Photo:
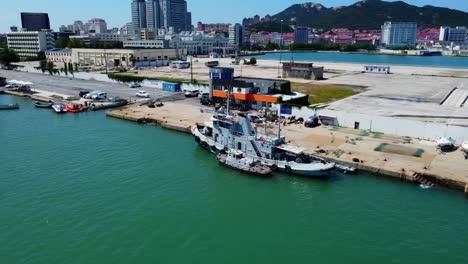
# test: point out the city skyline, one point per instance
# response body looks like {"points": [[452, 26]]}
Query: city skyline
{"points": [[202, 10]]}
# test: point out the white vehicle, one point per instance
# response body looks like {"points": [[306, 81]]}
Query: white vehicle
{"points": [[12, 85], [142, 94], [255, 118], [134, 85], [193, 93], [99, 96], [91, 94]]}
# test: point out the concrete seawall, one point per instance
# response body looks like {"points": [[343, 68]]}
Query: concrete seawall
{"points": [[416, 177], [180, 117], [145, 120]]}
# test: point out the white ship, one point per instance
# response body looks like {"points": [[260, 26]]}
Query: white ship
{"points": [[234, 132]]}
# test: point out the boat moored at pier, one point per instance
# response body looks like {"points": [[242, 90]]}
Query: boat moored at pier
{"points": [[59, 108], [43, 105], [237, 160], [74, 108], [226, 133]]}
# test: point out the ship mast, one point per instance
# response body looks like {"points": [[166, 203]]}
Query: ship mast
{"points": [[279, 123], [228, 104]]}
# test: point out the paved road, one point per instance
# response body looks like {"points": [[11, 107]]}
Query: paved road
{"points": [[72, 87]]}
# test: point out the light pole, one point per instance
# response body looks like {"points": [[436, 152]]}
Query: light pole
{"points": [[281, 47], [191, 69], [281, 41]]}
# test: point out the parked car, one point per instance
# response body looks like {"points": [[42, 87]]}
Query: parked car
{"points": [[142, 94], [12, 86], [205, 99], [83, 93], [90, 94], [99, 96], [312, 121], [193, 93], [134, 85], [255, 118]]}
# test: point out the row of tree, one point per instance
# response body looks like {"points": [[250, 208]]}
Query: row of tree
{"points": [[65, 42], [329, 47], [8, 56]]}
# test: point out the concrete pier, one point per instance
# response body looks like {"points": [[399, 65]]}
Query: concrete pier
{"points": [[432, 169], [341, 145]]}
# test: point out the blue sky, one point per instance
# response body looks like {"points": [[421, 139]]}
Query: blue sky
{"points": [[117, 12]]}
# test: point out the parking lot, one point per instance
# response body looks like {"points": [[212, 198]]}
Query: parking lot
{"points": [[72, 87]]}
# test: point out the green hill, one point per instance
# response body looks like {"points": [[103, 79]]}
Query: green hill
{"points": [[370, 14]]}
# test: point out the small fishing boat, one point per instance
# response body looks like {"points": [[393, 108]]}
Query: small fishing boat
{"points": [[237, 160], [445, 143], [59, 108], [43, 105], [464, 148], [9, 107], [74, 108]]}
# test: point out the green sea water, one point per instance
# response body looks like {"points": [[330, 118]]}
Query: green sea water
{"points": [[84, 188]]}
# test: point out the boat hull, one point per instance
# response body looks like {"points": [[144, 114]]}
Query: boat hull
{"points": [[59, 110], [74, 110], [9, 107], [282, 166], [43, 105], [266, 173]]}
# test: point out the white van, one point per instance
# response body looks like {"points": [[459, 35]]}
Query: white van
{"points": [[192, 93]]}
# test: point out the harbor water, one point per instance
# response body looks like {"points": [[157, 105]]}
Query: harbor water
{"points": [[85, 188], [371, 59]]}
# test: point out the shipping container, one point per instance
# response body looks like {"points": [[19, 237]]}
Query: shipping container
{"points": [[171, 87]]}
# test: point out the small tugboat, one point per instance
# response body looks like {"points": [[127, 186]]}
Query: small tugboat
{"points": [[74, 108], [237, 160], [9, 107], [43, 105], [59, 108]]}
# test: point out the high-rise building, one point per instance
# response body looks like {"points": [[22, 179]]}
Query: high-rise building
{"points": [[301, 35], [138, 17], [78, 27], [29, 43], [154, 14], [236, 35], [157, 14], [456, 35], [127, 29], [188, 22], [399, 34], [97, 25], [178, 15], [35, 21]]}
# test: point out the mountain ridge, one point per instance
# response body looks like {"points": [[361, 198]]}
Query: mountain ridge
{"points": [[369, 14]]}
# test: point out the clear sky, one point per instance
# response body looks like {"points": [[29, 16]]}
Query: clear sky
{"points": [[117, 12]]}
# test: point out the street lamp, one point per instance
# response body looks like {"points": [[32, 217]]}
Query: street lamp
{"points": [[281, 49], [281, 40]]}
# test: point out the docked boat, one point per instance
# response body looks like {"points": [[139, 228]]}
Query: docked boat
{"points": [[43, 105], [9, 107], [59, 108], [464, 148], [237, 160], [74, 108], [234, 132], [445, 143]]}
